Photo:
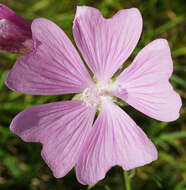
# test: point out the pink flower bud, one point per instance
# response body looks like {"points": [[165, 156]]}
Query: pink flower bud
{"points": [[15, 32]]}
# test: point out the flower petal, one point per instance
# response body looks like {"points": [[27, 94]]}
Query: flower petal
{"points": [[114, 140], [106, 43], [15, 32], [54, 68], [145, 83], [61, 127]]}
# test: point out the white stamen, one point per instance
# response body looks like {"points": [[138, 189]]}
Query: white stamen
{"points": [[96, 94]]}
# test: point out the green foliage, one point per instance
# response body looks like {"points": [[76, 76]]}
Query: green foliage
{"points": [[21, 167]]}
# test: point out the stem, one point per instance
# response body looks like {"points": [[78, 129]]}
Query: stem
{"points": [[90, 186], [127, 180]]}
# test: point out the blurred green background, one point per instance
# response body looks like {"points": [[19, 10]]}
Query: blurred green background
{"points": [[22, 168]]}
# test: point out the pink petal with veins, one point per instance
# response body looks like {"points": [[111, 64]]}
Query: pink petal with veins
{"points": [[61, 127], [106, 43], [145, 83], [53, 68], [115, 139]]}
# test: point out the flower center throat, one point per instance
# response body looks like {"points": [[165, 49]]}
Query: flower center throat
{"points": [[96, 94]]}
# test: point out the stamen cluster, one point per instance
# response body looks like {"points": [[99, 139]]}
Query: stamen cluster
{"points": [[96, 94]]}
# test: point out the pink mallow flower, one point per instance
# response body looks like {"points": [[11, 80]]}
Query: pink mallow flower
{"points": [[15, 32], [67, 130]]}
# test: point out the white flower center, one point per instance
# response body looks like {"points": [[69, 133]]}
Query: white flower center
{"points": [[96, 94]]}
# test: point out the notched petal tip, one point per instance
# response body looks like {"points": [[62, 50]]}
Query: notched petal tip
{"points": [[105, 43], [52, 165], [85, 12], [133, 13], [82, 10], [37, 21], [8, 81], [101, 176], [12, 80], [159, 43], [153, 156], [147, 82], [176, 105], [61, 127], [121, 143], [52, 48]]}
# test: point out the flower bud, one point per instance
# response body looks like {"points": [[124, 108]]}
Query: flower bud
{"points": [[15, 32]]}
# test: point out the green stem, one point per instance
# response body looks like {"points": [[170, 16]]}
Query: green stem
{"points": [[127, 180], [90, 186]]}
